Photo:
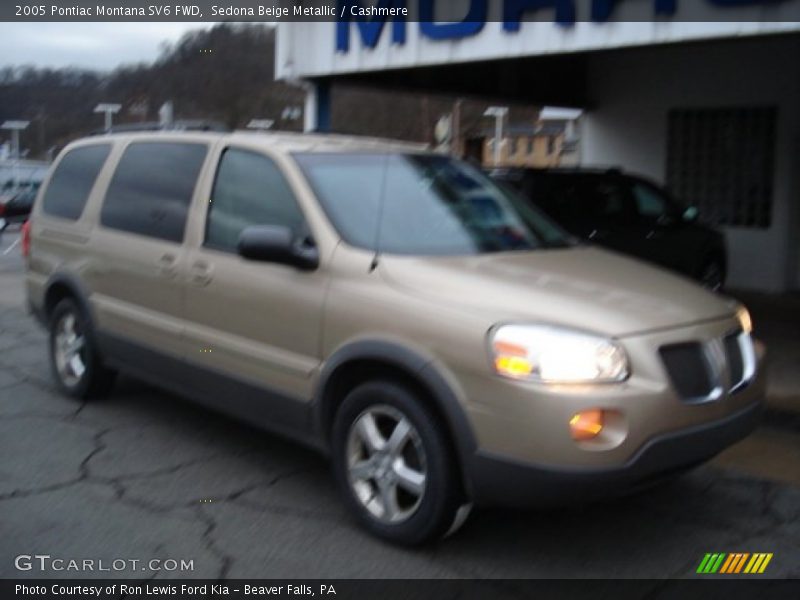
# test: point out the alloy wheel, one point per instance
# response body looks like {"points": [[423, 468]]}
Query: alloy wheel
{"points": [[69, 350], [386, 464]]}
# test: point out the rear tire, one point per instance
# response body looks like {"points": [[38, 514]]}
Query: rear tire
{"points": [[74, 357], [394, 464]]}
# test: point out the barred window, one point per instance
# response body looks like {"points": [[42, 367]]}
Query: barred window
{"points": [[722, 161]]}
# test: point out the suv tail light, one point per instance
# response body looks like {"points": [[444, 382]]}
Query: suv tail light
{"points": [[26, 239], [2, 209]]}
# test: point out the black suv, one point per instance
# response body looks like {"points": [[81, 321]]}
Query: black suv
{"points": [[626, 213]]}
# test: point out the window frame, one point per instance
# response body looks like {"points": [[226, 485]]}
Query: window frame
{"points": [[671, 207], [219, 156]]}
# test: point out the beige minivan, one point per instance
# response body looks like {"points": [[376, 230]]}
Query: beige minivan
{"points": [[442, 341]]}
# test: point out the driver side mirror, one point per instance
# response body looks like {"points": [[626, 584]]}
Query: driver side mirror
{"points": [[277, 244]]}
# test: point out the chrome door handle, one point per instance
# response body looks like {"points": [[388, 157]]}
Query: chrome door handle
{"points": [[166, 265], [202, 273]]}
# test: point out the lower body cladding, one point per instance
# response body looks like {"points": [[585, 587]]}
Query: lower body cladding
{"points": [[516, 441], [644, 429], [498, 481]]}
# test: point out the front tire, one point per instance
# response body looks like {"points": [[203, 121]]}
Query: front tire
{"points": [[394, 464], [74, 358]]}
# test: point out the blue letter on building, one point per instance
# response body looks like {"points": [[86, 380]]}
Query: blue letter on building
{"points": [[370, 29], [601, 9], [472, 23], [732, 3], [513, 9]]}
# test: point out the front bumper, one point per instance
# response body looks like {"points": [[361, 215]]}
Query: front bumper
{"points": [[498, 481]]}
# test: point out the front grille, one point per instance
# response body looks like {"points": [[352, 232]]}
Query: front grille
{"points": [[688, 370], [701, 371], [733, 354]]}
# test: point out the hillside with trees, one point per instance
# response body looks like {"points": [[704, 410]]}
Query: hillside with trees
{"points": [[224, 74]]}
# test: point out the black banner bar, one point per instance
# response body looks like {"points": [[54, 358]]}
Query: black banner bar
{"points": [[711, 588], [562, 12]]}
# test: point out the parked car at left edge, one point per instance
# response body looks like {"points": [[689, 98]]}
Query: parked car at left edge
{"points": [[17, 208]]}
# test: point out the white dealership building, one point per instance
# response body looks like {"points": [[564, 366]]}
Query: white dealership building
{"points": [[701, 94]]}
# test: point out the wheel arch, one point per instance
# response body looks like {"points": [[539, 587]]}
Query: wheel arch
{"points": [[65, 285], [369, 359]]}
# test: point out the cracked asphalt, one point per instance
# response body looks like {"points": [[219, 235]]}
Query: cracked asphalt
{"points": [[144, 474]]}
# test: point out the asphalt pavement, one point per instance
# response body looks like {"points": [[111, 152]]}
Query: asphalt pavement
{"points": [[144, 475]]}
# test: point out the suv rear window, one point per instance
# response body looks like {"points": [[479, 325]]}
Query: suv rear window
{"points": [[73, 180], [152, 188]]}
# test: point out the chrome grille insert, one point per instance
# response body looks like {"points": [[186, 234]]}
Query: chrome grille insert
{"points": [[703, 371]]}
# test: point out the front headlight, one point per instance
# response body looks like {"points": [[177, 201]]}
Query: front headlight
{"points": [[555, 355]]}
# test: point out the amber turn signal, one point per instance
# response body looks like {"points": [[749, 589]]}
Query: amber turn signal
{"points": [[586, 425]]}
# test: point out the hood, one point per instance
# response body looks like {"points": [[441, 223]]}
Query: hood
{"points": [[582, 287]]}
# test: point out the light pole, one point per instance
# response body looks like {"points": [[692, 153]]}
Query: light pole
{"points": [[108, 110], [15, 127], [499, 113]]}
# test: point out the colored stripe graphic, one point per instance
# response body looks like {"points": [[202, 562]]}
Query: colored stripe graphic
{"points": [[704, 563], [764, 564], [711, 563], [754, 563], [728, 562], [734, 563], [715, 566], [737, 567]]}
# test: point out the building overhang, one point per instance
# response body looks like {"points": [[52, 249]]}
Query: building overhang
{"points": [[552, 80]]}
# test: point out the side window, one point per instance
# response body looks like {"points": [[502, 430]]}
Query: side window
{"points": [[562, 199], [607, 200], [249, 190], [73, 180], [650, 203], [152, 188]]}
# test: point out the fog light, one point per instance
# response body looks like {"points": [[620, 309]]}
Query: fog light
{"points": [[586, 425]]}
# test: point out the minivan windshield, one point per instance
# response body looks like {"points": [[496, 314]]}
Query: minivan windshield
{"points": [[423, 204]]}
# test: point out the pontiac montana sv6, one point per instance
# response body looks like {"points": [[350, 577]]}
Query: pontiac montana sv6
{"points": [[441, 340]]}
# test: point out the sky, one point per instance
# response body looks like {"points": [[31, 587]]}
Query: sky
{"points": [[101, 46]]}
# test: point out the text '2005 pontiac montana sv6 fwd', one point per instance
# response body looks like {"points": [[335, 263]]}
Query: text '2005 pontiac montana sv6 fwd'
{"points": [[443, 342]]}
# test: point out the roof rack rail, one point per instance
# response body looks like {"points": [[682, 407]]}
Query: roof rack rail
{"points": [[189, 125]]}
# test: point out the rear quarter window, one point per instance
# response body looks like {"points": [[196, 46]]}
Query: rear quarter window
{"points": [[72, 181], [152, 188]]}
